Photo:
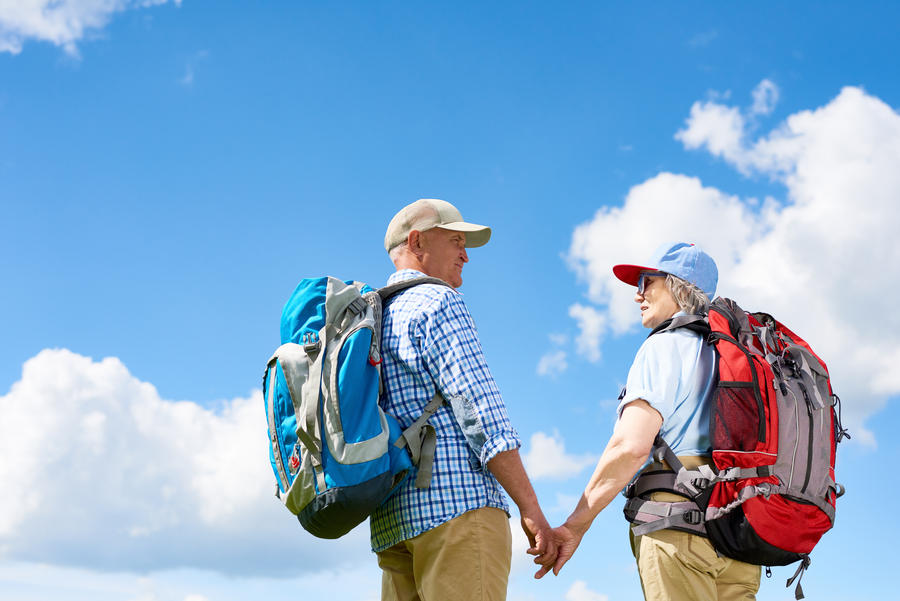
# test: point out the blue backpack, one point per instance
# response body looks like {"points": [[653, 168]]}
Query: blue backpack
{"points": [[336, 455]]}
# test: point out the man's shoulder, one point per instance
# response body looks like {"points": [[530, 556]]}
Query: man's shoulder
{"points": [[426, 295]]}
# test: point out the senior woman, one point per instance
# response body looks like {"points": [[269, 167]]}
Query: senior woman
{"points": [[667, 392]]}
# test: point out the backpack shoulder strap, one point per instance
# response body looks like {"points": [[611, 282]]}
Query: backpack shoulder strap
{"points": [[695, 323], [420, 437], [397, 287]]}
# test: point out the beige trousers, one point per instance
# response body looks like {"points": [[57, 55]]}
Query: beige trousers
{"points": [[677, 566], [465, 559]]}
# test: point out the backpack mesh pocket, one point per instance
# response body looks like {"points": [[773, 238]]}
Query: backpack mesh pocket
{"points": [[736, 417]]}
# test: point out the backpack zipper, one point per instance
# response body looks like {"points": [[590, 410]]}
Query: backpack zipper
{"points": [[276, 447], [809, 451]]}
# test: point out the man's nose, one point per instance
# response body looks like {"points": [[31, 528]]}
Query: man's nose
{"points": [[464, 254]]}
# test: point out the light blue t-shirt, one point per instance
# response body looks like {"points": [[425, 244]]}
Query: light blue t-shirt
{"points": [[674, 372]]}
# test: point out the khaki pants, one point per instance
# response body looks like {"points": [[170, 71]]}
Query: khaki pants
{"points": [[465, 559], [677, 566]]}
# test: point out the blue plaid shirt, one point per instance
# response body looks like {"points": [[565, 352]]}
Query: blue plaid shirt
{"points": [[428, 340]]}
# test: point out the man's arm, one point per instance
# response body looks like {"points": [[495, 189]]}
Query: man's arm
{"points": [[456, 361], [510, 473], [624, 455]]}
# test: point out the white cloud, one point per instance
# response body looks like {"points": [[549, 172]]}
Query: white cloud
{"points": [[565, 504], [187, 79], [701, 40], [559, 339], [722, 129], [665, 207], [592, 324], [152, 484], [38, 582], [547, 458], [60, 22], [718, 127], [580, 592], [811, 260], [765, 97], [552, 363]]}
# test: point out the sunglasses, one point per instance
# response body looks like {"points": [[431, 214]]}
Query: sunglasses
{"points": [[643, 279]]}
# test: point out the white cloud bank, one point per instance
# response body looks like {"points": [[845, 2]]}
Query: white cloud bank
{"points": [[60, 22], [822, 261], [579, 591], [547, 459], [99, 472]]}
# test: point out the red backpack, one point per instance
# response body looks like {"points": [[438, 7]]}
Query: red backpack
{"points": [[774, 426]]}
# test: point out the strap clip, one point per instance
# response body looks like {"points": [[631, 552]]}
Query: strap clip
{"points": [[311, 342], [693, 517]]}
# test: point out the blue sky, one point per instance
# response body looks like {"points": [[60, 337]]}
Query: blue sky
{"points": [[169, 171]]}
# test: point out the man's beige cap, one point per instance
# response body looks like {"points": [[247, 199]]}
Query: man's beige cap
{"points": [[427, 213]]}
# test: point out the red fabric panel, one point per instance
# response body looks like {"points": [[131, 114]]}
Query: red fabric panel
{"points": [[789, 525]]}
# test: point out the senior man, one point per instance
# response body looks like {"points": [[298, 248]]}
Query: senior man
{"points": [[450, 541]]}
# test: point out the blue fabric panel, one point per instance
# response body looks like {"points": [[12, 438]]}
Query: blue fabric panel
{"points": [[338, 474], [358, 389], [304, 310], [395, 460]]}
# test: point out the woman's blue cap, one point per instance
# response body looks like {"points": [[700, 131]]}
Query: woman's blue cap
{"points": [[683, 260]]}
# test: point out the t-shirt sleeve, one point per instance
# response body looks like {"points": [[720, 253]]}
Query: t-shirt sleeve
{"points": [[654, 375]]}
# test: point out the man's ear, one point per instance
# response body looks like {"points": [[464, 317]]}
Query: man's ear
{"points": [[415, 242]]}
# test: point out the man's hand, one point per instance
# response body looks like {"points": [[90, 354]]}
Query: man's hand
{"points": [[566, 541], [540, 538], [508, 469]]}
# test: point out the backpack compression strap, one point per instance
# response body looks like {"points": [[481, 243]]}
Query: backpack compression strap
{"points": [[421, 439]]}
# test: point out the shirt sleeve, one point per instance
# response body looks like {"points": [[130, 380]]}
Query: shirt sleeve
{"points": [[454, 358], [654, 375]]}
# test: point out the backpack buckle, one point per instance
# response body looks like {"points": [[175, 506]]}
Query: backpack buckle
{"points": [[311, 342], [700, 483], [693, 517]]}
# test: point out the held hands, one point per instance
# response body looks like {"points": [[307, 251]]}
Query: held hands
{"points": [[566, 541], [540, 538]]}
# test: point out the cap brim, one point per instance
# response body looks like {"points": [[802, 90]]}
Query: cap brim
{"points": [[630, 273], [476, 235]]}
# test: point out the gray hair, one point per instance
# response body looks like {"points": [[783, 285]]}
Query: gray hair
{"points": [[690, 299], [394, 253]]}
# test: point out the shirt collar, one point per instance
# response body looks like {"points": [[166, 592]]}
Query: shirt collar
{"points": [[407, 274], [404, 274]]}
